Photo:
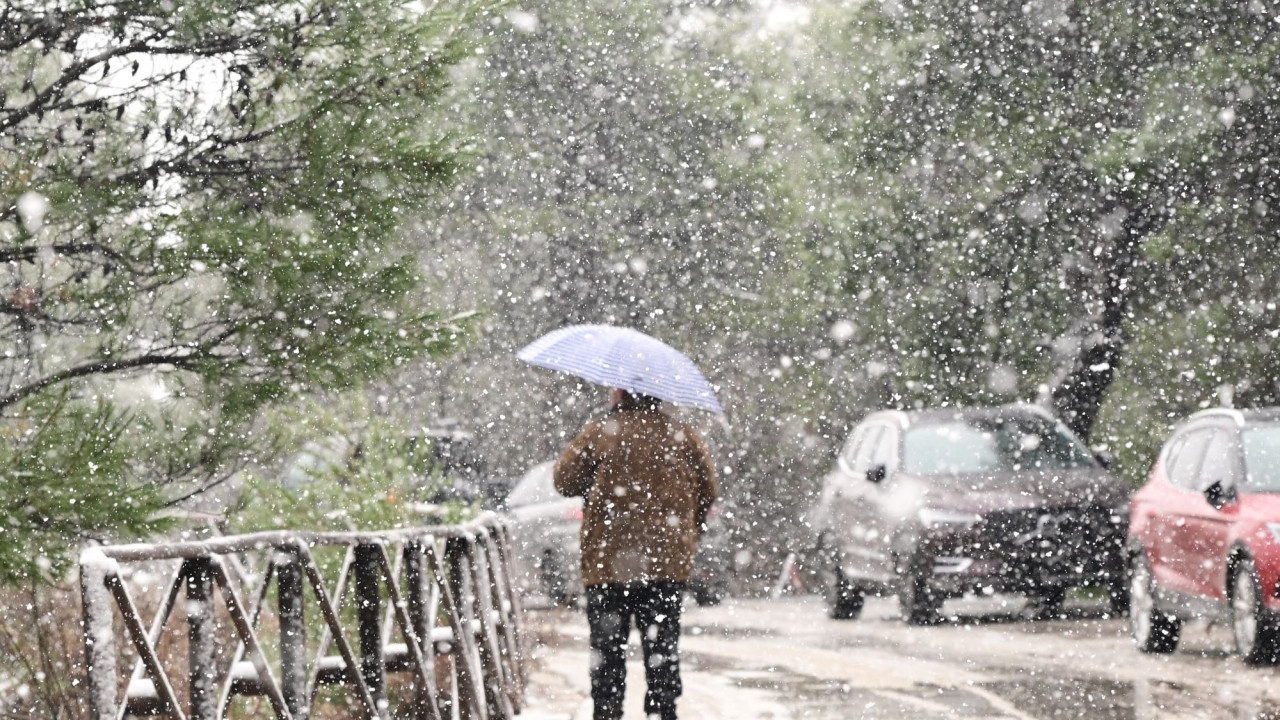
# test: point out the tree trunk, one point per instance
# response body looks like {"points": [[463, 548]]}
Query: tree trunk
{"points": [[1091, 349]]}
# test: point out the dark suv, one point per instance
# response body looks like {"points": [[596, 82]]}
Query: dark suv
{"points": [[933, 504]]}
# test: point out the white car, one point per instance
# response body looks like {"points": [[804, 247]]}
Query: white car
{"points": [[545, 527]]}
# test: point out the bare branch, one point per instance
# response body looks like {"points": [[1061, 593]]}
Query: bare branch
{"points": [[177, 358], [29, 253], [98, 368], [203, 488], [70, 75]]}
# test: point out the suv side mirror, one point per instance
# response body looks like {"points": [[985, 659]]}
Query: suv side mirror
{"points": [[1218, 495], [1104, 458], [876, 473], [844, 465]]}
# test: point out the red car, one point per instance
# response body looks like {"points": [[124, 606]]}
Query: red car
{"points": [[1204, 534]]}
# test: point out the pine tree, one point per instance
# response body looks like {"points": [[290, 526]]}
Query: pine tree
{"points": [[199, 213]]}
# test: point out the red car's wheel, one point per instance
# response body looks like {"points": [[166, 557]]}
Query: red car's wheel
{"points": [[1257, 633], [1154, 631]]}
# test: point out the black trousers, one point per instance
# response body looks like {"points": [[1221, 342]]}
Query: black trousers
{"points": [[654, 607]]}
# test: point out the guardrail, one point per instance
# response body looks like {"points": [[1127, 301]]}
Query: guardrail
{"points": [[448, 592]]}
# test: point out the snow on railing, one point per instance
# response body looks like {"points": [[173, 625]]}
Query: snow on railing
{"points": [[449, 596]]}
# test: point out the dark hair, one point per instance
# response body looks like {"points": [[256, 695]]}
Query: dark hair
{"points": [[639, 401]]}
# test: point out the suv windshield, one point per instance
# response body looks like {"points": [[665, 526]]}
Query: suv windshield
{"points": [[1262, 458], [996, 445]]}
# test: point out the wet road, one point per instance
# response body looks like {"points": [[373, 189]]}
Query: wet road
{"points": [[785, 659]]}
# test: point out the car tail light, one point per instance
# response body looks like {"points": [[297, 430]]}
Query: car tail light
{"points": [[574, 514]]}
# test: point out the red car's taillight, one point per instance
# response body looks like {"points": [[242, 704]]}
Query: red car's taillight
{"points": [[574, 514]]}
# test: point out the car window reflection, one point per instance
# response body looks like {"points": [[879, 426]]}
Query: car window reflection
{"points": [[1001, 446]]}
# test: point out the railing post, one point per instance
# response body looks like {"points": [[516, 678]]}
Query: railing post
{"points": [[201, 632], [416, 599], [369, 616], [516, 611], [495, 678], [99, 633], [293, 648], [503, 623], [473, 703]]}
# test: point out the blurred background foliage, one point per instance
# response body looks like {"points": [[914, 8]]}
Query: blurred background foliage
{"points": [[838, 207], [347, 468]]}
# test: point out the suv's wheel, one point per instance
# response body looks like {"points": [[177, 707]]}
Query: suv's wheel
{"points": [[705, 595], [844, 601], [1154, 631], [554, 585], [1256, 631], [919, 603], [1047, 602], [1119, 590]]}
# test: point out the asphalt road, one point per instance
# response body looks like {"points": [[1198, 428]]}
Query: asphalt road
{"points": [[785, 659]]}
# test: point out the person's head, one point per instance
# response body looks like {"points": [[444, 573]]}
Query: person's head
{"points": [[627, 400]]}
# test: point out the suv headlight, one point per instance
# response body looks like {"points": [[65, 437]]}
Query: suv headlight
{"points": [[937, 517], [1274, 527]]}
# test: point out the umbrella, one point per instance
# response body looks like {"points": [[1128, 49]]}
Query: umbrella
{"points": [[624, 358]]}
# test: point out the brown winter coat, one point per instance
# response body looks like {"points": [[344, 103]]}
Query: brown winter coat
{"points": [[648, 481]]}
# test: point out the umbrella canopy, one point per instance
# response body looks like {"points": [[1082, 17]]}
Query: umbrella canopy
{"points": [[624, 358]]}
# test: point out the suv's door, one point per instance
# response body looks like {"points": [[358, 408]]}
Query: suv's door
{"points": [[878, 515], [849, 510], [832, 514], [827, 515], [862, 511]]}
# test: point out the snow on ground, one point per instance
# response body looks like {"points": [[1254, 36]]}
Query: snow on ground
{"points": [[754, 659]]}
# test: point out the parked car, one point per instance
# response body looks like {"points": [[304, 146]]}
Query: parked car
{"points": [[545, 525], [933, 504], [1205, 533]]}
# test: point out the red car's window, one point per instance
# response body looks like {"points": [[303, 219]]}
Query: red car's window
{"points": [[1184, 461], [1219, 464], [1262, 458]]}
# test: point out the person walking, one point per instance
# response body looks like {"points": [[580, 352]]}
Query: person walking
{"points": [[648, 483]]}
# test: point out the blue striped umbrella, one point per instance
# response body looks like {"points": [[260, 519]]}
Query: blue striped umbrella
{"points": [[624, 358]]}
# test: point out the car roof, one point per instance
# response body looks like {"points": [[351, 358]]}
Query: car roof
{"points": [[933, 416], [542, 468], [1241, 417]]}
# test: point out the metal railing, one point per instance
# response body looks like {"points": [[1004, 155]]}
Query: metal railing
{"points": [[448, 592]]}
